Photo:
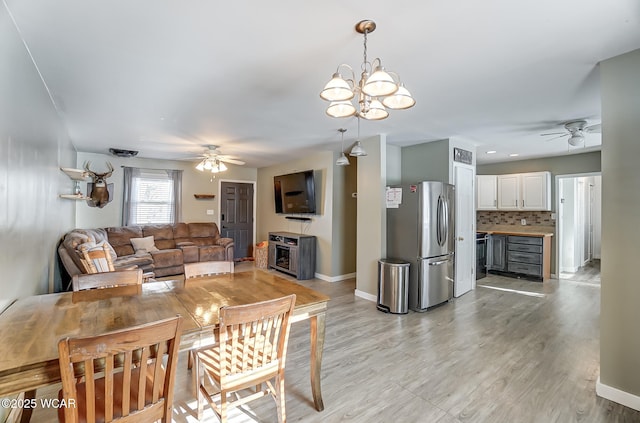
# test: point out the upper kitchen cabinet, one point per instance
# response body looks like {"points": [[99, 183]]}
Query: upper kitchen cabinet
{"points": [[536, 191], [509, 192], [487, 192], [520, 191]]}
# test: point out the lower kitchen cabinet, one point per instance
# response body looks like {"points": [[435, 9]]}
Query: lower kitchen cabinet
{"points": [[528, 256]]}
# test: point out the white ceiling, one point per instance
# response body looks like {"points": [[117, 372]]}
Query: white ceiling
{"points": [[168, 77]]}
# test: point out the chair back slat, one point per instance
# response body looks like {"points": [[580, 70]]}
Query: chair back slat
{"points": [[206, 268], [106, 280], [126, 382], [123, 372]]}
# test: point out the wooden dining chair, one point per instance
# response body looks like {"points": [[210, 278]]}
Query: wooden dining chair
{"points": [[251, 350], [97, 260], [107, 279], [126, 375], [206, 268]]}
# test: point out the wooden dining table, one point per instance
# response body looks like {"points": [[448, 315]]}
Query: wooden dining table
{"points": [[31, 327]]}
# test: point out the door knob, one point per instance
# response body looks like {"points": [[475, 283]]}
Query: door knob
{"points": [[460, 238]]}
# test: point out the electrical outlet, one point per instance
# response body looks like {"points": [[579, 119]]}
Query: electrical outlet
{"points": [[523, 222], [209, 212], [553, 216]]}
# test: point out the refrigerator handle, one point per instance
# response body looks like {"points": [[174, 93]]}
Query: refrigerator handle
{"points": [[442, 221], [439, 221]]}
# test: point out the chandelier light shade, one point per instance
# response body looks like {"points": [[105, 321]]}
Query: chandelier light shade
{"points": [[377, 89]]}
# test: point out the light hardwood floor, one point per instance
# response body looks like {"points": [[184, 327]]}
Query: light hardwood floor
{"points": [[508, 351]]}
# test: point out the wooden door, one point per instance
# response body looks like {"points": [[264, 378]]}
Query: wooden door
{"points": [[236, 216]]}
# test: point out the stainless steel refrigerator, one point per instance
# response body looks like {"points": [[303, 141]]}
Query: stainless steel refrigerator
{"points": [[421, 231]]}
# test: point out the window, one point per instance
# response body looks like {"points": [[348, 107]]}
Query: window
{"points": [[151, 196]]}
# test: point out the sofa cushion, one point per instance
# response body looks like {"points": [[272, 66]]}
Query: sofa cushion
{"points": [[163, 235], [119, 238], [167, 258], [143, 245], [143, 261], [212, 253], [181, 233], [203, 230]]}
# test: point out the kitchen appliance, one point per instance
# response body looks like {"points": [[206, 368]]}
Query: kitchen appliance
{"points": [[481, 255], [421, 231]]}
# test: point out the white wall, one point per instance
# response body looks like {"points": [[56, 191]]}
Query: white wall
{"points": [[193, 182], [34, 144]]}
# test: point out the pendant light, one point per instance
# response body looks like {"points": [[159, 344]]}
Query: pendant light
{"points": [[342, 160], [357, 149]]}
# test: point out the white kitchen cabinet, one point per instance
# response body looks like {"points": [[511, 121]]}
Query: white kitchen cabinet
{"points": [[509, 192], [486, 192], [518, 191], [536, 191]]}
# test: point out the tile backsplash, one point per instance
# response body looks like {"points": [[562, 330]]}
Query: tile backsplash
{"points": [[534, 218]]}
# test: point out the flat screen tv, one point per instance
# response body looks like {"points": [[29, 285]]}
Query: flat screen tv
{"points": [[295, 193]]}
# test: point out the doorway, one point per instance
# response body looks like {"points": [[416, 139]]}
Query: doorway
{"points": [[237, 216], [579, 227]]}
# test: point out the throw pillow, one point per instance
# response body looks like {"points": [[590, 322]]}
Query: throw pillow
{"points": [[144, 245]]}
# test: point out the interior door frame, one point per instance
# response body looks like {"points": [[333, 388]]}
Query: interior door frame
{"points": [[559, 225], [238, 181]]}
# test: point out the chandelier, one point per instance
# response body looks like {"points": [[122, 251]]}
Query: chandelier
{"points": [[211, 164], [376, 91]]}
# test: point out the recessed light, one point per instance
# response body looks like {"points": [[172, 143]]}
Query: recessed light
{"points": [[513, 155], [491, 152]]}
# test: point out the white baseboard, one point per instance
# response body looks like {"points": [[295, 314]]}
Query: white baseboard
{"points": [[335, 278], [366, 296], [617, 395]]}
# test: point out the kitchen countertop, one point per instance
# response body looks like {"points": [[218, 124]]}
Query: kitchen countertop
{"points": [[525, 230]]}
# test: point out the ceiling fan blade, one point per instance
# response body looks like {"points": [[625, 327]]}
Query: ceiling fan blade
{"points": [[232, 161], [555, 133], [555, 138], [594, 129]]}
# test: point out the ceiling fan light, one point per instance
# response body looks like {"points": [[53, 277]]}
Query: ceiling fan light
{"points": [[357, 150], [207, 164], [221, 166], [337, 89], [342, 160], [374, 111], [200, 166], [338, 109], [399, 100], [576, 140], [379, 84]]}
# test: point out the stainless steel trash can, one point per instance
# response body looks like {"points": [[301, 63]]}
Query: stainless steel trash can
{"points": [[393, 286]]}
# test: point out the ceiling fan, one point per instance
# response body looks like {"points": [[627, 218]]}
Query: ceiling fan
{"points": [[213, 160], [576, 130]]}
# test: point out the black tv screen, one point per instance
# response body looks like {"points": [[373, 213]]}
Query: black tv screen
{"points": [[295, 193]]}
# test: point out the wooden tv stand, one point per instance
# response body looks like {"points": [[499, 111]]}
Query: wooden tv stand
{"points": [[293, 253]]}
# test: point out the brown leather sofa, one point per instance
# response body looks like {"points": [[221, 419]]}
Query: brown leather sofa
{"points": [[176, 245]]}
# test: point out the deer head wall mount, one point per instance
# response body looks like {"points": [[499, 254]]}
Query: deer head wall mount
{"points": [[99, 189]]}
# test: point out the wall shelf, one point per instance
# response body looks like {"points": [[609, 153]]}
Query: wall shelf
{"points": [[76, 174], [74, 197], [204, 196]]}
